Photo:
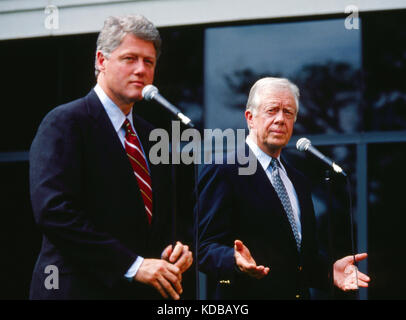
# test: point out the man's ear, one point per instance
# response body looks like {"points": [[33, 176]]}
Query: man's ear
{"points": [[248, 116], [101, 61]]}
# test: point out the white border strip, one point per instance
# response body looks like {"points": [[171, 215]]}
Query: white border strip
{"points": [[26, 18]]}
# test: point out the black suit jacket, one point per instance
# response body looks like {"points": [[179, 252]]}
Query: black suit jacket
{"points": [[87, 203], [246, 207]]}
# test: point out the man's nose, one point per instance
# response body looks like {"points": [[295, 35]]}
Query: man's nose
{"points": [[139, 67], [280, 116]]}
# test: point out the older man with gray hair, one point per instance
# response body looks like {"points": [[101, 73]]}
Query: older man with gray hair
{"points": [[258, 232], [103, 208]]}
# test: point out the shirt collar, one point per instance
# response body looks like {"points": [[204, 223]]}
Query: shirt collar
{"points": [[263, 158], [117, 117]]}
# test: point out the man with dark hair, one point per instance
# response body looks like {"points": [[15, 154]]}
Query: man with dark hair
{"points": [[103, 208]]}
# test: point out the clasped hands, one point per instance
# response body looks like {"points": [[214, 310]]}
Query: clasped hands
{"points": [[346, 275], [165, 274]]}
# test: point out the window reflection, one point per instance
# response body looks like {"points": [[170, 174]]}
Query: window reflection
{"points": [[321, 57]]}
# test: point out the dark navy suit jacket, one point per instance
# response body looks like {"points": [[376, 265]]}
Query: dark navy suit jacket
{"points": [[87, 204], [246, 207]]}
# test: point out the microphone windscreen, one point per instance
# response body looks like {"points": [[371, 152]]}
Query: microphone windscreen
{"points": [[303, 144], [149, 91]]}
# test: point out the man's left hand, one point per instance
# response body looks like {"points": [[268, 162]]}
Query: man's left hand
{"points": [[181, 256], [346, 275]]}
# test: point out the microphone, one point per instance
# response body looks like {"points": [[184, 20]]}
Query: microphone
{"points": [[304, 144], [151, 92]]}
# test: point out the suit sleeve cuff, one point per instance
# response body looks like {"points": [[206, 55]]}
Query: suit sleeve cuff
{"points": [[134, 268]]}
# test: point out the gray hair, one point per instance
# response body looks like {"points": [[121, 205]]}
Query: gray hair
{"points": [[254, 98], [116, 28]]}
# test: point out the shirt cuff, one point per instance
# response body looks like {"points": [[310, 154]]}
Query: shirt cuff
{"points": [[134, 268]]}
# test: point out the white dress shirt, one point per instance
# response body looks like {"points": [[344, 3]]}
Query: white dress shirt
{"points": [[265, 161], [117, 118]]}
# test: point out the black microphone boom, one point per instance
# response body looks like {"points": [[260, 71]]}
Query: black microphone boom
{"points": [[151, 92], [304, 144]]}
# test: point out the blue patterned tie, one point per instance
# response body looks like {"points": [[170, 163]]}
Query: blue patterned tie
{"points": [[284, 197]]}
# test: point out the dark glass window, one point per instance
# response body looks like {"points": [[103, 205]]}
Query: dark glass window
{"points": [[322, 57], [19, 236], [386, 220], [41, 74], [384, 63]]}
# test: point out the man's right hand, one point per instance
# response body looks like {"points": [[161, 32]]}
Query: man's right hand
{"points": [[162, 275], [246, 263]]}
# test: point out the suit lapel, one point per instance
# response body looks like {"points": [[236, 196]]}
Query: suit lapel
{"points": [[263, 190], [114, 154]]}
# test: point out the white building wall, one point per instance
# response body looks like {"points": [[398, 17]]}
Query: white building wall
{"points": [[28, 18]]}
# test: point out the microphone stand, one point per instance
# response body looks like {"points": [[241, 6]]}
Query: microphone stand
{"points": [[196, 231], [151, 93], [174, 202], [303, 144], [196, 215], [328, 181]]}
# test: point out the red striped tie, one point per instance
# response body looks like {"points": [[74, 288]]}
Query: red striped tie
{"points": [[139, 164]]}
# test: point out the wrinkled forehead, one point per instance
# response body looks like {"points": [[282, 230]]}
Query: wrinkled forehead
{"points": [[280, 96]]}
